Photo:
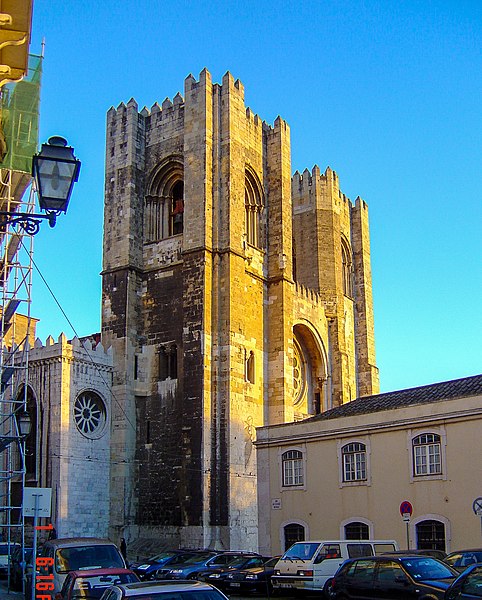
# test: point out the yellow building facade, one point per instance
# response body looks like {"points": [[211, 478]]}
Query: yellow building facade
{"points": [[344, 474]]}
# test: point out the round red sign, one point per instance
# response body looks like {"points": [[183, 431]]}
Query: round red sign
{"points": [[406, 508]]}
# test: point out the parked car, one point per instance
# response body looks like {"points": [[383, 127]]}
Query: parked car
{"points": [[438, 554], [147, 569], [16, 572], [199, 559], [73, 554], [91, 584], [467, 586], [6, 550], [463, 558], [403, 577], [308, 566], [216, 575], [155, 590], [254, 579], [203, 561]]}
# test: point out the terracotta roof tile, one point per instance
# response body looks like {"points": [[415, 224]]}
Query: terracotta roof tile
{"points": [[436, 392]]}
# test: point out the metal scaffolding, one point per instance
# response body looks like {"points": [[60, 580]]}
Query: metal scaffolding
{"points": [[15, 337], [18, 143]]}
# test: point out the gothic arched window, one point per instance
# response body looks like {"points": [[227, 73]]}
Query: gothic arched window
{"points": [[164, 203], [26, 394], [177, 208], [347, 268], [253, 203], [168, 362]]}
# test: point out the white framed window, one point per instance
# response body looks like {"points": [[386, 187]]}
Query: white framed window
{"points": [[292, 466], [354, 457], [427, 454], [354, 461]]}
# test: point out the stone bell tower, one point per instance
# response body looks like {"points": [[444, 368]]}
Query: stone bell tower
{"points": [[211, 334]]}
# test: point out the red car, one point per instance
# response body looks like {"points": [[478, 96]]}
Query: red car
{"points": [[91, 584]]}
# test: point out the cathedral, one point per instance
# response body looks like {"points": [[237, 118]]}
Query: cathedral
{"points": [[234, 295]]}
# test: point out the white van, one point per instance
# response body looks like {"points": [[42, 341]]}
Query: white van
{"points": [[310, 565]]}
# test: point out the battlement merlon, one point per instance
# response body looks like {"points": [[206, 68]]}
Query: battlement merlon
{"points": [[229, 86], [85, 349], [316, 188]]}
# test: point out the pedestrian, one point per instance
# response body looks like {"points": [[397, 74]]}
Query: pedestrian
{"points": [[123, 548]]}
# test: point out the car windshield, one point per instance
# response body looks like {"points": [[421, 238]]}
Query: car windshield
{"points": [[473, 583], [88, 557], [162, 556], [237, 561], [94, 587], [300, 551], [186, 595], [196, 558], [464, 559], [425, 568], [271, 562], [182, 558]]}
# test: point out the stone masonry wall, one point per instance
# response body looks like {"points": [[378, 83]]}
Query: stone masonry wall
{"points": [[70, 462]]}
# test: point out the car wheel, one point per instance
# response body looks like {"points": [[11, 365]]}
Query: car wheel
{"points": [[326, 588]]}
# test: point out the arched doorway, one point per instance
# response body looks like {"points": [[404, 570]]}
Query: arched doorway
{"points": [[309, 373], [292, 533], [430, 535], [355, 530]]}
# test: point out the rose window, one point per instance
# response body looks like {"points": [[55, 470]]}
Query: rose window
{"points": [[298, 375], [89, 414]]}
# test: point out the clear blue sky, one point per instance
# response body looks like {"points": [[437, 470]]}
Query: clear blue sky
{"points": [[387, 93]]}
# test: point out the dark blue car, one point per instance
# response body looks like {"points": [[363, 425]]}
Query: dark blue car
{"points": [[468, 586], [147, 569], [202, 562]]}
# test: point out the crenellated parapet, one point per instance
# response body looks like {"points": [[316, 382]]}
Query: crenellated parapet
{"points": [[85, 349], [308, 293]]}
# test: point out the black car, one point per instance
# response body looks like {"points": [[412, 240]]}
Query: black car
{"points": [[467, 586], [464, 558], [398, 577], [217, 576], [439, 554], [255, 579]]}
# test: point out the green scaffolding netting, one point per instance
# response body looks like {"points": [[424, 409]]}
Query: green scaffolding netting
{"points": [[20, 118]]}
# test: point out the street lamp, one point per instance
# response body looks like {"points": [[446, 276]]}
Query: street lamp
{"points": [[55, 170], [23, 423]]}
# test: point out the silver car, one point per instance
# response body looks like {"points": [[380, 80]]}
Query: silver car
{"points": [[172, 590]]}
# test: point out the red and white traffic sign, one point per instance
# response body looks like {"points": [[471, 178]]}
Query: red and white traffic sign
{"points": [[406, 508]]}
